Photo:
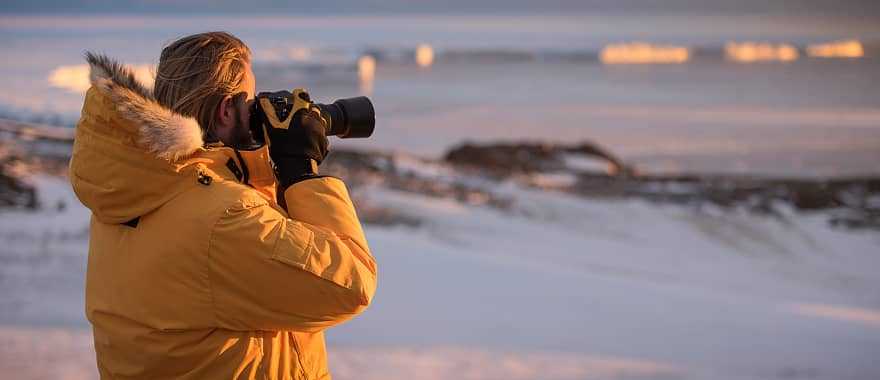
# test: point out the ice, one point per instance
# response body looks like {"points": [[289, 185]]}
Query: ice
{"points": [[554, 287], [589, 164]]}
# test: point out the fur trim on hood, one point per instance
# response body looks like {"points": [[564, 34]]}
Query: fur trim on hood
{"points": [[161, 131]]}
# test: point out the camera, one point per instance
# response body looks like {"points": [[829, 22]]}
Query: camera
{"points": [[344, 118]]}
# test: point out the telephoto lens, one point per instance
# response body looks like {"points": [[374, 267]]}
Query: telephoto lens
{"points": [[350, 118]]}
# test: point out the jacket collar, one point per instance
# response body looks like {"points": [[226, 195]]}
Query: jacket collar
{"points": [[250, 167]]}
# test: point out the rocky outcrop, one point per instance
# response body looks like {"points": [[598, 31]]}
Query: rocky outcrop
{"points": [[507, 159], [470, 174]]}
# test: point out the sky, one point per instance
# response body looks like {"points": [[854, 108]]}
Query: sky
{"points": [[847, 7]]}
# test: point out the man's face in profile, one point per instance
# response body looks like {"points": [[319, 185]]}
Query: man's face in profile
{"points": [[237, 133]]}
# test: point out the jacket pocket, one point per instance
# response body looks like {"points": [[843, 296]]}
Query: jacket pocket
{"points": [[313, 252]]}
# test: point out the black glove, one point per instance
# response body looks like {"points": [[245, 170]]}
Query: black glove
{"points": [[298, 150]]}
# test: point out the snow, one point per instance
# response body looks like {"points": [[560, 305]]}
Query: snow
{"points": [[873, 202], [408, 164], [556, 287], [587, 164], [552, 180], [44, 258]]}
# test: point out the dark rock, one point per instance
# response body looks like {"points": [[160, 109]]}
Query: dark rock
{"points": [[508, 159], [812, 197], [14, 192]]}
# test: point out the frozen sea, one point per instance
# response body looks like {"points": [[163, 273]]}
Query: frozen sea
{"points": [[520, 77]]}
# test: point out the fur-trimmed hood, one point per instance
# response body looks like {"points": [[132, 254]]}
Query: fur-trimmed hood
{"points": [[161, 131], [130, 154]]}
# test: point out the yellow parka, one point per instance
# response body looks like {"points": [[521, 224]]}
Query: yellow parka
{"points": [[194, 271]]}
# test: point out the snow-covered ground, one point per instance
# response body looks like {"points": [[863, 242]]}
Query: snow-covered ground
{"points": [[556, 287]]}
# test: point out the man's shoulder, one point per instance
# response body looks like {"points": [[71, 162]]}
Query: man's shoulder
{"points": [[235, 194], [217, 196]]}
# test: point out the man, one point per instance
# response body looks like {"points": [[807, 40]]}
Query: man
{"points": [[195, 271]]}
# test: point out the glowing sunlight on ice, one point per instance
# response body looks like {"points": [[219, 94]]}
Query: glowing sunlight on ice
{"points": [[837, 49], [746, 52], [424, 55], [366, 73], [640, 52], [75, 78]]}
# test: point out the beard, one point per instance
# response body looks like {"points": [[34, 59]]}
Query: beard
{"points": [[242, 137]]}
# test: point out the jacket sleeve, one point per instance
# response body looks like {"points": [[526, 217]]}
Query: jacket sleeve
{"points": [[305, 271]]}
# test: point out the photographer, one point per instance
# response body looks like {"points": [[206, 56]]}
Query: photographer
{"points": [[195, 271]]}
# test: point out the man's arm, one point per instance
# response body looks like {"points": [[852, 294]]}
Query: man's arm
{"points": [[307, 272]]}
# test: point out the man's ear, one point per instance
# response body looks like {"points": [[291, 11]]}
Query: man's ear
{"points": [[226, 112]]}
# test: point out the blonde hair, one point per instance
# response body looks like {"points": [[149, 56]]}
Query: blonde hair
{"points": [[196, 72]]}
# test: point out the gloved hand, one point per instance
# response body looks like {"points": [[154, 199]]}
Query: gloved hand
{"points": [[298, 150]]}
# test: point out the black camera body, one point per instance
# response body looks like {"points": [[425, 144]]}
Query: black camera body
{"points": [[345, 118]]}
